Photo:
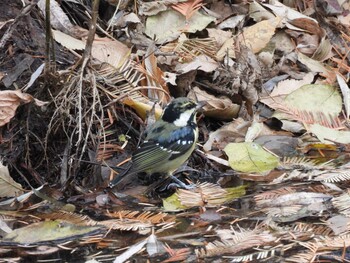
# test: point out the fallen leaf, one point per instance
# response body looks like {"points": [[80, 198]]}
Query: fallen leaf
{"points": [[313, 99], [346, 94], [328, 135], [202, 62], [250, 158], [8, 187], [173, 24], [220, 108], [10, 101], [276, 98]]}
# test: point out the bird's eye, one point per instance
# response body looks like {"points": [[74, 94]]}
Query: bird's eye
{"points": [[189, 106]]}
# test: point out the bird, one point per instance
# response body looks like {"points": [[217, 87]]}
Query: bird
{"points": [[169, 142]]}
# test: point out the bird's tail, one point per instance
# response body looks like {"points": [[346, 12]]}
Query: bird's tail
{"points": [[121, 178]]}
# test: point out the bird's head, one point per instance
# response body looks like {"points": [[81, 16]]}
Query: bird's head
{"points": [[181, 111]]}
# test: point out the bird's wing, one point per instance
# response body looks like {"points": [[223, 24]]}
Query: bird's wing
{"points": [[165, 148]]}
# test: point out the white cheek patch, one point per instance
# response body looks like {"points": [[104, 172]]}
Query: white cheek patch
{"points": [[182, 121]]}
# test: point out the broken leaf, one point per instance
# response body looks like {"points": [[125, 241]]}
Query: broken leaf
{"points": [[173, 24]]}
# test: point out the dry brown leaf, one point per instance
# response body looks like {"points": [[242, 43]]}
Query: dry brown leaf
{"points": [[231, 132], [255, 37], [154, 77], [219, 35], [201, 62], [110, 51], [8, 187], [9, 102], [221, 108]]}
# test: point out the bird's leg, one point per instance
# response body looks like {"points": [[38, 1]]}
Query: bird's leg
{"points": [[181, 184]]}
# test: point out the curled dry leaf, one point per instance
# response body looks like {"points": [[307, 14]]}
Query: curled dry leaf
{"points": [[142, 107], [9, 102], [230, 132], [154, 77], [110, 51], [221, 108], [310, 38]]}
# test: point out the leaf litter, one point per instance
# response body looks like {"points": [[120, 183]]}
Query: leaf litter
{"points": [[271, 167]]}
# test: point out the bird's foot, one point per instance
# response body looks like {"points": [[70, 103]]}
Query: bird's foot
{"points": [[180, 184]]}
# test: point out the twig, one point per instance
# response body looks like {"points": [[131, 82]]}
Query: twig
{"points": [[25, 11]]}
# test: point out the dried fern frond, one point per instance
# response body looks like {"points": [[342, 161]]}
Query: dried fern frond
{"points": [[305, 257], [188, 49], [125, 224], [188, 8], [73, 218], [320, 246], [336, 242], [263, 254], [125, 220], [304, 230], [205, 194], [284, 211], [120, 82], [146, 217], [274, 193], [334, 176], [240, 240], [176, 254], [301, 163], [342, 203], [308, 117]]}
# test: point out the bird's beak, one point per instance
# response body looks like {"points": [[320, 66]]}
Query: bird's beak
{"points": [[200, 104]]}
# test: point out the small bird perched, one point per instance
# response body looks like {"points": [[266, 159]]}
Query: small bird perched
{"points": [[169, 143]]}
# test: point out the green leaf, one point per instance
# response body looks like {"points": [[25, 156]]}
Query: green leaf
{"points": [[250, 157], [172, 203], [49, 231]]}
